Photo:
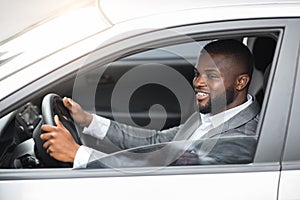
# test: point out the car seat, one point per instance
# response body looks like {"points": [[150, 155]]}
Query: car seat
{"points": [[263, 49]]}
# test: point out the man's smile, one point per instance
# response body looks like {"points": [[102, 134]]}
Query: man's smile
{"points": [[201, 95]]}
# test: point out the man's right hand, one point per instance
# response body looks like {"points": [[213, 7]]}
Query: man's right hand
{"points": [[79, 115]]}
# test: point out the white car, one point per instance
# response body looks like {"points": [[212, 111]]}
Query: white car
{"points": [[133, 61]]}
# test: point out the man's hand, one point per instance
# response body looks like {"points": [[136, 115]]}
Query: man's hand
{"points": [[79, 115], [59, 142]]}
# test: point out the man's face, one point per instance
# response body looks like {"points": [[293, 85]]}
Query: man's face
{"points": [[214, 83]]}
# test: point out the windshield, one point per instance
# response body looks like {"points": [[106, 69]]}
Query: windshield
{"points": [[43, 27]]}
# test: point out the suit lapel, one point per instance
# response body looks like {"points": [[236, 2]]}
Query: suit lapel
{"points": [[238, 120], [188, 128]]}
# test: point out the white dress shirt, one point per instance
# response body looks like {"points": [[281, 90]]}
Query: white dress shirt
{"points": [[99, 126]]}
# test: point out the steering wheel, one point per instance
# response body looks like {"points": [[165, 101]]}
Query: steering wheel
{"points": [[52, 105]]}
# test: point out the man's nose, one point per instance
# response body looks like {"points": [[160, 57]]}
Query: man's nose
{"points": [[199, 81]]}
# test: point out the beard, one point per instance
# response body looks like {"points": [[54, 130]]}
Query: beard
{"points": [[219, 102]]}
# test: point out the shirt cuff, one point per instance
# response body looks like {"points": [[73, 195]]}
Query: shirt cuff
{"points": [[82, 157], [98, 127]]}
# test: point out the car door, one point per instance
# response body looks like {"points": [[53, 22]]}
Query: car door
{"points": [[257, 180]]}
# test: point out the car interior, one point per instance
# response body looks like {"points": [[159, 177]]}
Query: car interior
{"points": [[150, 105]]}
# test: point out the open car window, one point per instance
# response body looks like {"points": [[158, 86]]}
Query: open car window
{"points": [[135, 108], [149, 88]]}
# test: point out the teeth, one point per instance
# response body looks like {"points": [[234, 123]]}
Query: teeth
{"points": [[202, 94]]}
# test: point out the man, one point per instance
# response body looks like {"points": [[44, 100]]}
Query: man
{"points": [[228, 113]]}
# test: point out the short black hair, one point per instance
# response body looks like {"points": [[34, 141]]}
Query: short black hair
{"points": [[234, 48]]}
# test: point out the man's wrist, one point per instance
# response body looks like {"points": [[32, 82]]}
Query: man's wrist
{"points": [[74, 152], [88, 120], [98, 127]]}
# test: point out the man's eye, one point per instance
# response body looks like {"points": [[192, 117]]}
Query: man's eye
{"points": [[211, 76]]}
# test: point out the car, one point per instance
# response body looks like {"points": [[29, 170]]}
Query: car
{"points": [[133, 61]]}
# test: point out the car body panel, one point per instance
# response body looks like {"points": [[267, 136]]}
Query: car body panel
{"points": [[207, 186], [289, 184]]}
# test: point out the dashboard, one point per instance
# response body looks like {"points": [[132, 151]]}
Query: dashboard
{"points": [[17, 149]]}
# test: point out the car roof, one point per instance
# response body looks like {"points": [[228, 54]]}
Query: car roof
{"points": [[117, 11]]}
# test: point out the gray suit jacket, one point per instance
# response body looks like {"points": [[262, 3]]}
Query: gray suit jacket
{"points": [[233, 142]]}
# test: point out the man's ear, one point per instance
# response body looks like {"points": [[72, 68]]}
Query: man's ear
{"points": [[242, 81]]}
